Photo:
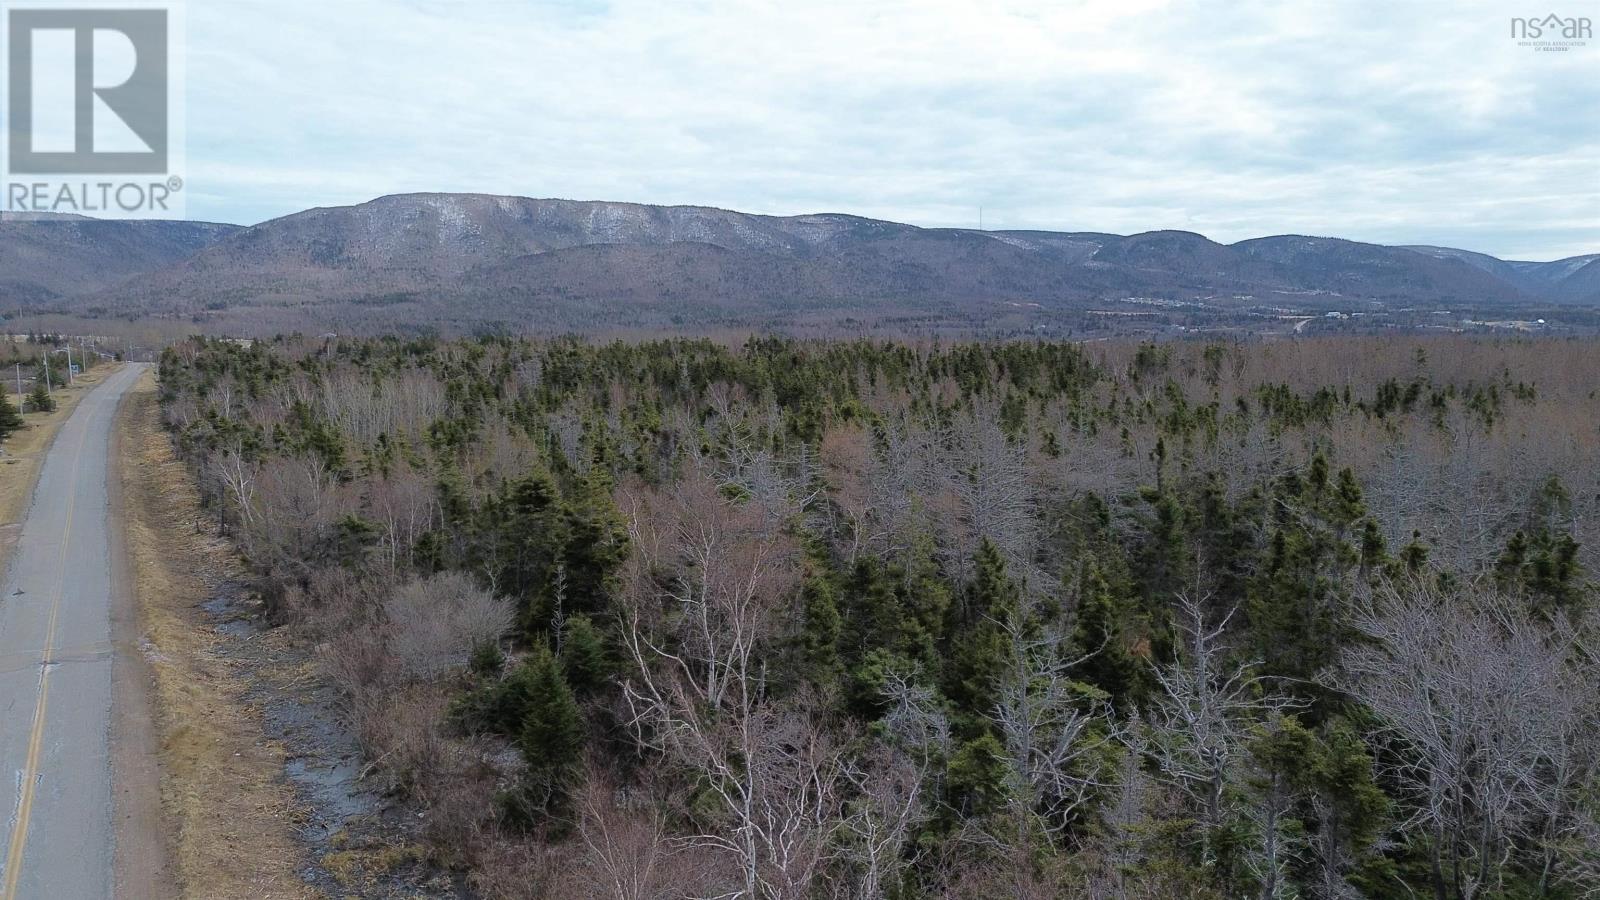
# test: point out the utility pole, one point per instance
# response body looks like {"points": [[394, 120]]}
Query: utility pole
{"points": [[69, 364], [19, 383], [50, 388]]}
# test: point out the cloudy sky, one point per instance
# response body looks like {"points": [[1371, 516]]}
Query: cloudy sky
{"points": [[1401, 121]]}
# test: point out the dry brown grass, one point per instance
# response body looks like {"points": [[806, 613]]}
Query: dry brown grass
{"points": [[231, 815], [22, 454]]}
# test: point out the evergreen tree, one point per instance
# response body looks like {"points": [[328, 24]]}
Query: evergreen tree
{"points": [[978, 777], [924, 604], [528, 529], [10, 419], [821, 630], [1294, 608], [979, 645], [586, 658], [40, 399], [1295, 602], [872, 609], [1098, 630], [1413, 556], [1164, 561], [1374, 550], [1544, 569], [596, 544], [551, 732], [1346, 506]]}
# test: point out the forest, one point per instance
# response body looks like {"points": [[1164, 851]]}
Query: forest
{"points": [[790, 619]]}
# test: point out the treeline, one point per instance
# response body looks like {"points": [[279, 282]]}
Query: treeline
{"points": [[856, 619]]}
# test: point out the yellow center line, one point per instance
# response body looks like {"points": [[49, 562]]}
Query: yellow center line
{"points": [[30, 773]]}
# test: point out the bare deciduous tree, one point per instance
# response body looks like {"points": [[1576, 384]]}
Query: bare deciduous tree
{"points": [[889, 788], [1200, 720], [405, 505], [698, 616], [629, 853], [1488, 709], [1056, 739], [237, 474], [987, 474]]}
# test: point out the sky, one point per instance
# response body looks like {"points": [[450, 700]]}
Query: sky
{"points": [[1402, 121]]}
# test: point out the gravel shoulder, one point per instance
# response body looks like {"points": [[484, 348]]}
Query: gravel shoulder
{"points": [[142, 853]]}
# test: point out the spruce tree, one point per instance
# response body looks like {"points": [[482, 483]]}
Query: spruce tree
{"points": [[551, 733], [1098, 631], [1544, 569], [40, 400], [873, 610], [530, 531], [585, 657], [596, 543], [980, 646], [924, 605], [978, 777], [820, 634], [10, 419]]}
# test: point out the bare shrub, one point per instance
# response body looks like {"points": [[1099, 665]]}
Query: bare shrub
{"points": [[299, 498], [435, 623], [461, 804], [526, 870], [628, 852], [357, 662], [401, 733], [333, 600], [342, 609]]}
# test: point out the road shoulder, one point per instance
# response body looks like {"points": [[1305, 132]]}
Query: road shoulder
{"points": [[223, 802], [141, 864]]}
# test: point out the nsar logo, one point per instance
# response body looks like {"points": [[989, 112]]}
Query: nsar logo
{"points": [[1553, 32]]}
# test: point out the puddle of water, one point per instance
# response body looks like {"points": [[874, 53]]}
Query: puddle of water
{"points": [[335, 796], [324, 763], [227, 612], [236, 627]]}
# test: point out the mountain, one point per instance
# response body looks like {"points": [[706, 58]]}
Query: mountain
{"points": [[1353, 269], [465, 261], [1575, 279], [46, 257]]}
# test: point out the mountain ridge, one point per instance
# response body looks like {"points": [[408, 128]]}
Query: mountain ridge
{"points": [[463, 258]]}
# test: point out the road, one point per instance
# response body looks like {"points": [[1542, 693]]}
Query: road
{"points": [[56, 669]]}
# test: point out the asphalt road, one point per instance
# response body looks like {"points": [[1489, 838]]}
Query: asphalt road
{"points": [[56, 669]]}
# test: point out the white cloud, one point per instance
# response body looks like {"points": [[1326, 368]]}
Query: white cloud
{"points": [[1405, 122]]}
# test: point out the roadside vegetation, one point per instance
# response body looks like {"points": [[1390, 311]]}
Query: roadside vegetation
{"points": [[33, 369], [859, 619], [229, 820]]}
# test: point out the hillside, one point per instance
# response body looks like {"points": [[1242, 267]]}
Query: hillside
{"points": [[464, 261], [48, 258], [1575, 279]]}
